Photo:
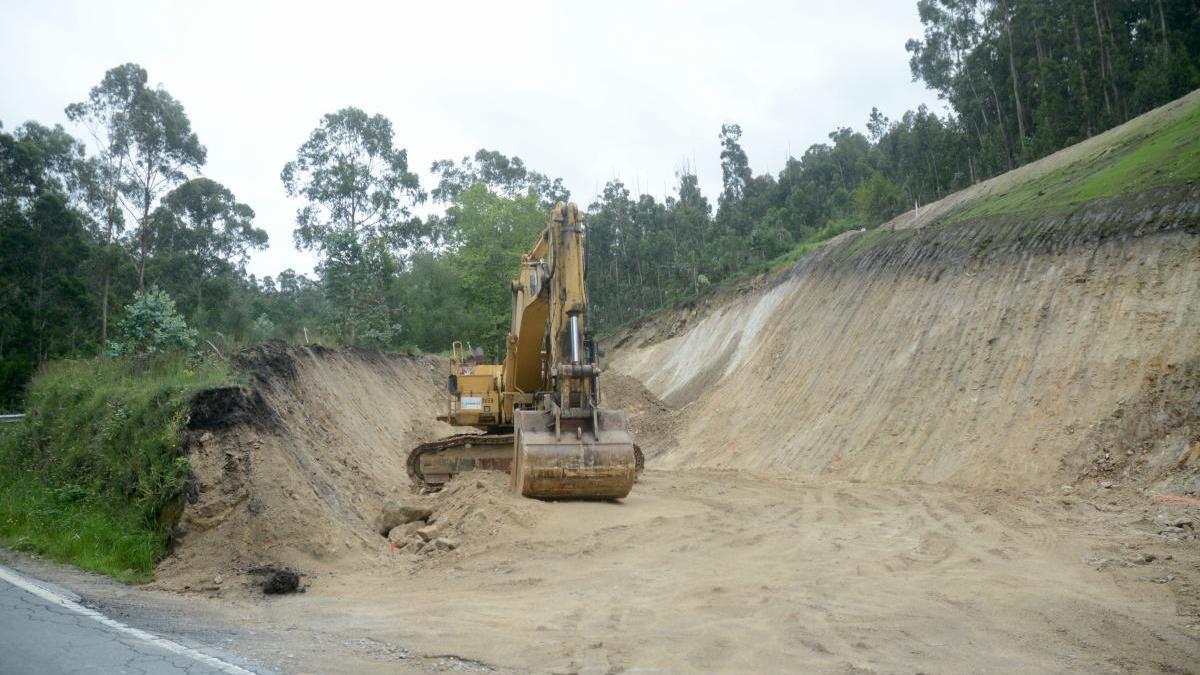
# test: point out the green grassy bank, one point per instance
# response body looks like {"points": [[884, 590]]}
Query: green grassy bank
{"points": [[95, 474]]}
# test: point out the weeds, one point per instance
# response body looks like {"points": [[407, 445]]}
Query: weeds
{"points": [[90, 475]]}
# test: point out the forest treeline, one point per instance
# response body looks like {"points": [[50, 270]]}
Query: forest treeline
{"points": [[119, 207]]}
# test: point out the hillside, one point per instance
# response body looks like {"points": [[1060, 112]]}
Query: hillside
{"points": [[985, 341]]}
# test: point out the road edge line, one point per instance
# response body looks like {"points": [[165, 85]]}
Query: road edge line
{"points": [[24, 583]]}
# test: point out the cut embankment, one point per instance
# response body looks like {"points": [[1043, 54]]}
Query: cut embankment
{"points": [[996, 351], [985, 372], [291, 472]]}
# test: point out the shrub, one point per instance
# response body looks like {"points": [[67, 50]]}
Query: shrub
{"points": [[152, 325]]}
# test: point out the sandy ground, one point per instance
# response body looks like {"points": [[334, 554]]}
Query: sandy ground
{"points": [[900, 508], [713, 571]]}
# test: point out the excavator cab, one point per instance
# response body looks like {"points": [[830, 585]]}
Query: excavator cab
{"points": [[474, 388]]}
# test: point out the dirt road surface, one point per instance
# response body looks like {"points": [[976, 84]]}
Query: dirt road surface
{"points": [[715, 571]]}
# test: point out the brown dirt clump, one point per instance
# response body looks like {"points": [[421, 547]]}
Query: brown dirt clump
{"points": [[652, 421]]}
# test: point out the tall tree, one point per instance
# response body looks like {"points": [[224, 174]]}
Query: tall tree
{"points": [[104, 114], [507, 176], [357, 190], [42, 245], [735, 174], [202, 231], [484, 249], [145, 145]]}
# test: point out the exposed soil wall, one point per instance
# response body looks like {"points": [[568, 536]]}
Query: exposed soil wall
{"points": [[983, 353], [291, 470]]}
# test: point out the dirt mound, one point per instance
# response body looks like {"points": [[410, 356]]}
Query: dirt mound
{"points": [[291, 470], [471, 511], [652, 421]]}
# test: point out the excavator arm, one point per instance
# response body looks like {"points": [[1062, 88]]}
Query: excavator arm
{"points": [[565, 445]]}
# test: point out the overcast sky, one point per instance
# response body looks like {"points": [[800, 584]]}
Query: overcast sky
{"points": [[585, 91]]}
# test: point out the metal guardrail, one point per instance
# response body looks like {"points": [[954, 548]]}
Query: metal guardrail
{"points": [[12, 418]]}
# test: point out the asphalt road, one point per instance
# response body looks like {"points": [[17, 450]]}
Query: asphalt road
{"points": [[46, 630]]}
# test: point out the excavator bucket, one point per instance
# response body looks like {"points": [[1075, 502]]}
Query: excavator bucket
{"points": [[573, 458]]}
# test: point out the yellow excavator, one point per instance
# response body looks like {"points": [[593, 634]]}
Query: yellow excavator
{"points": [[540, 409]]}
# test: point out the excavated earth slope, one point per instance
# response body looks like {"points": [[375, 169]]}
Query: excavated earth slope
{"points": [[975, 354], [292, 470]]}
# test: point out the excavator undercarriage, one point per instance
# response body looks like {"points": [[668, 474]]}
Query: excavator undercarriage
{"points": [[431, 465]]}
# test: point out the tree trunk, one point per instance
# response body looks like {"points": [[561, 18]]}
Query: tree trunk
{"points": [[1112, 48], [143, 237], [39, 312], [1087, 106], [1000, 116], [1012, 67], [1162, 22], [104, 282], [1105, 70]]}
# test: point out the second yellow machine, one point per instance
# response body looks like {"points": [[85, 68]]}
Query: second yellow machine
{"points": [[539, 409]]}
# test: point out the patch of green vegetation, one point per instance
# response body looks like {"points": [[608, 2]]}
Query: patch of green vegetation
{"points": [[1141, 159], [857, 245], [811, 242], [94, 476]]}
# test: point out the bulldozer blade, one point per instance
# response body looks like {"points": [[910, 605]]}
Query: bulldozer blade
{"points": [[579, 460]]}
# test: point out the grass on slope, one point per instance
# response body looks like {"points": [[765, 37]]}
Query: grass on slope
{"points": [[95, 474], [811, 242], [1156, 151]]}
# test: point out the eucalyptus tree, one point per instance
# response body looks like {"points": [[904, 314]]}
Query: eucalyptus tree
{"points": [[506, 176], [735, 178], [357, 191], [202, 231], [145, 147], [42, 244]]}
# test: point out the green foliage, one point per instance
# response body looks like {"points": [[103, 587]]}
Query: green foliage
{"points": [[1020, 79], [151, 326], [355, 183], [94, 476], [815, 240], [147, 146], [261, 330], [44, 302], [201, 236], [1027, 78], [506, 176], [484, 251], [357, 191], [876, 200]]}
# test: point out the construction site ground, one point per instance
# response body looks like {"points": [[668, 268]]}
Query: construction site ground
{"points": [[719, 571]]}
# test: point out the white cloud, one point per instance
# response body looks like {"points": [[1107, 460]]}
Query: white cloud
{"points": [[586, 91]]}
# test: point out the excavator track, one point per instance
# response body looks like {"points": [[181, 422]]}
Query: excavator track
{"points": [[432, 464]]}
